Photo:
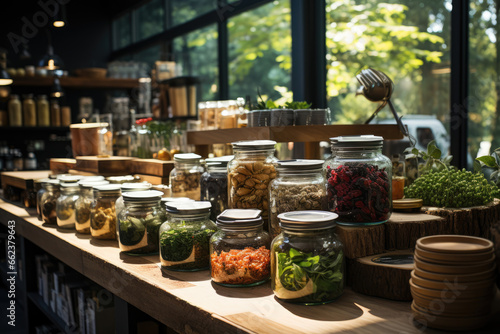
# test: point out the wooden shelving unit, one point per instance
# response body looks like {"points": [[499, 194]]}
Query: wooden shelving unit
{"points": [[77, 82]]}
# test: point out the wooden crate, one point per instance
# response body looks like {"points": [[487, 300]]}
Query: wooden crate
{"points": [[153, 167], [104, 166]]}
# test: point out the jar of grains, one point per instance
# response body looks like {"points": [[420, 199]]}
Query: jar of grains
{"points": [[185, 177]]}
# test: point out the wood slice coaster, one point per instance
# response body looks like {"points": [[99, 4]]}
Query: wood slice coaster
{"points": [[384, 280], [362, 241]]}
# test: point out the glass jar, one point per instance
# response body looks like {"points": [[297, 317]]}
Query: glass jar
{"points": [[359, 181], [55, 113], [65, 205], [250, 173], [163, 213], [15, 113], [84, 203], [185, 177], [185, 236], [39, 195], [213, 184], [307, 259], [240, 249], [102, 211], [29, 110], [48, 201], [129, 187], [300, 185], [139, 222], [42, 106]]}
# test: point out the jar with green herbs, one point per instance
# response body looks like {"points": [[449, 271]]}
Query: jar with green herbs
{"points": [[300, 185], [185, 177], [162, 212], [65, 205], [185, 236], [48, 201], [213, 184], [84, 203], [129, 187], [307, 259], [240, 249], [102, 212], [139, 222], [39, 195]]}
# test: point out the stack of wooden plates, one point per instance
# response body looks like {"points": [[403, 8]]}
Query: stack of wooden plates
{"points": [[453, 283]]}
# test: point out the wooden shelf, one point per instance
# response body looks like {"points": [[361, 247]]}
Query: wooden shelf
{"points": [[300, 133], [76, 82]]}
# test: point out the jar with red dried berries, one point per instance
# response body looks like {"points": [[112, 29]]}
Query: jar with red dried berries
{"points": [[358, 179]]}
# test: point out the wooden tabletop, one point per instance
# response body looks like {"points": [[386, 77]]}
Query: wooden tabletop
{"points": [[189, 303]]}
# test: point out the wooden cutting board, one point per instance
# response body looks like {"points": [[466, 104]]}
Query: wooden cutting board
{"points": [[104, 166], [23, 179], [152, 167], [61, 165]]}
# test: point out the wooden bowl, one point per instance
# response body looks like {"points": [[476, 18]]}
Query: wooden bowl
{"points": [[91, 72], [454, 244], [445, 284], [454, 269], [460, 278], [455, 291], [452, 258], [465, 307]]}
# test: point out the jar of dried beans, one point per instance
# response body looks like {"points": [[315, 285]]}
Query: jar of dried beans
{"points": [[185, 177], [102, 213], [359, 180], [249, 175], [213, 184], [240, 249], [300, 185]]}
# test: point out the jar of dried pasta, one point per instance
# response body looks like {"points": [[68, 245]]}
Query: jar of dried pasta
{"points": [[103, 214], [186, 175]]}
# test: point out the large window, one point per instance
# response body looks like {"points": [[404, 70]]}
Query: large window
{"points": [[185, 10], [150, 19], [122, 31]]}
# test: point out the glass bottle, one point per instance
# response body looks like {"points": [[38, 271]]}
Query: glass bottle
{"points": [[249, 175], [102, 211], [39, 195], [300, 185], [29, 110], [15, 113], [55, 113], [65, 205], [307, 259], [84, 203], [42, 106], [185, 237], [213, 184], [185, 177], [48, 202], [139, 223], [359, 181], [240, 249]]}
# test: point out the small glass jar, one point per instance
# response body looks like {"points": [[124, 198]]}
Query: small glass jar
{"points": [[15, 111], [42, 106], [307, 259], [55, 113], [185, 236], [65, 205], [29, 110], [185, 177], [249, 175], [129, 187], [213, 184], [39, 195], [240, 249], [139, 223], [359, 181], [48, 202], [102, 212], [300, 185], [84, 203]]}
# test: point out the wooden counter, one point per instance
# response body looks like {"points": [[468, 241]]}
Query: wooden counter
{"points": [[190, 303]]}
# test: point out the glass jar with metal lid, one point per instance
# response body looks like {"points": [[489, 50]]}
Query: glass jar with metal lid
{"points": [[48, 201], [102, 212], [185, 236], [162, 212], [139, 222], [249, 175], [122, 179], [84, 203], [240, 249], [39, 194], [185, 177], [69, 178], [129, 187], [300, 185], [93, 178], [307, 258], [65, 205], [213, 184], [359, 180]]}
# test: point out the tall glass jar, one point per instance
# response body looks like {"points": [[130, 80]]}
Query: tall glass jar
{"points": [[300, 185], [359, 180], [163, 213], [139, 223], [55, 113], [249, 175], [48, 202], [102, 212], [15, 113], [213, 184], [43, 111], [65, 205], [240, 249], [29, 110], [307, 259], [84, 203], [129, 187], [185, 177], [39, 195], [185, 236]]}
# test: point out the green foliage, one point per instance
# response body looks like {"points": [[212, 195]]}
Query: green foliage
{"points": [[297, 105], [490, 166], [432, 158]]}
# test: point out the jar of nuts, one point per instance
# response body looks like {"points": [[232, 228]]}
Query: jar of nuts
{"points": [[103, 214], [249, 175], [185, 177], [300, 185]]}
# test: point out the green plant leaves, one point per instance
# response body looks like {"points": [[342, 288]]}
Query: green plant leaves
{"points": [[489, 161]]}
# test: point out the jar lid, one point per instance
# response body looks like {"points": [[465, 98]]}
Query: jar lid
{"points": [[142, 196], [357, 141], [250, 145], [107, 188], [176, 199], [194, 207], [239, 219], [407, 203], [121, 179], [89, 184], [219, 161], [135, 186], [300, 164], [306, 220], [67, 185], [93, 178], [68, 178], [43, 180], [186, 157]]}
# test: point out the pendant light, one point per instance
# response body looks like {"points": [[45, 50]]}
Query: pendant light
{"points": [[57, 90], [60, 18], [50, 61]]}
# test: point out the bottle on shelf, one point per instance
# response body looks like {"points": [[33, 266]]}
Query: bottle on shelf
{"points": [[55, 113], [42, 106], [30, 162], [18, 161], [15, 113], [29, 110], [65, 116]]}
